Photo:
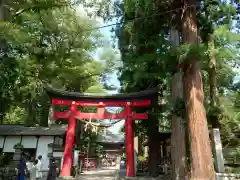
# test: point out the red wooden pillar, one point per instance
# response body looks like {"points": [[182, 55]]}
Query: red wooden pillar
{"points": [[68, 150], [130, 168]]}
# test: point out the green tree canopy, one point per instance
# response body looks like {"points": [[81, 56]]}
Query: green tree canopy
{"points": [[48, 44]]}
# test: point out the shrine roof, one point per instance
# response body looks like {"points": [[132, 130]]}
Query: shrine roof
{"points": [[57, 93], [110, 138], [21, 130]]}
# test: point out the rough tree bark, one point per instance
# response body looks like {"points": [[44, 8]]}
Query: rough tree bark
{"points": [[178, 145], [201, 160]]}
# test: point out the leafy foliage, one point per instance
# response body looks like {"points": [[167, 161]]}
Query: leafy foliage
{"points": [[148, 61], [46, 42]]}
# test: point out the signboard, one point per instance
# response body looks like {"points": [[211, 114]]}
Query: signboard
{"points": [[90, 163]]}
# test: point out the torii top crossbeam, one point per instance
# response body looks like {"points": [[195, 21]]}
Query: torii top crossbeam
{"points": [[92, 97], [74, 99]]}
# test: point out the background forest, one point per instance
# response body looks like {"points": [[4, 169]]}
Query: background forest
{"points": [[48, 42]]}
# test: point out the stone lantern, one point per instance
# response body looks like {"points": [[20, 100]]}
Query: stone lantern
{"points": [[17, 155]]}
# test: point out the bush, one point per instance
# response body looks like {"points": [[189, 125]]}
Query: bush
{"points": [[5, 159]]}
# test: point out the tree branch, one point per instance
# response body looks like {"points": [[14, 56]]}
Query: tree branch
{"points": [[35, 7]]}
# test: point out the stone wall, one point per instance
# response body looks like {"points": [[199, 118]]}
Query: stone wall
{"points": [[227, 176], [8, 173]]}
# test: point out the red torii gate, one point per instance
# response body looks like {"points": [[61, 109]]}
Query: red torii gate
{"points": [[74, 99]]}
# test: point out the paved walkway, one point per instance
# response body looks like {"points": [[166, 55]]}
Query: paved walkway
{"points": [[122, 171], [99, 174]]}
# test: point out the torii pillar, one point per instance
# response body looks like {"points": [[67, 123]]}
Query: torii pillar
{"points": [[69, 145], [129, 142]]}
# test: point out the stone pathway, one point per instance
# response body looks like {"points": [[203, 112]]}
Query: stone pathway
{"points": [[109, 174], [99, 174], [122, 174]]}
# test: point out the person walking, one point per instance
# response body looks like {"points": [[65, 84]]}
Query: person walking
{"points": [[39, 168], [33, 171], [29, 165], [22, 167], [52, 173]]}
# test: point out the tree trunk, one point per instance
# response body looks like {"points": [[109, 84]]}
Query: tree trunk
{"points": [[45, 112], [141, 147], [201, 160], [4, 12], [4, 106], [178, 145], [31, 117], [154, 146]]}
